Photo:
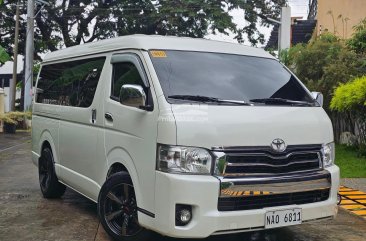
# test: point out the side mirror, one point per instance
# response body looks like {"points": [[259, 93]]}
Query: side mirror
{"points": [[134, 96], [318, 97]]}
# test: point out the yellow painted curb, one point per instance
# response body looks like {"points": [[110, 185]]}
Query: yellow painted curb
{"points": [[360, 212], [355, 196], [353, 201], [344, 202], [352, 207]]}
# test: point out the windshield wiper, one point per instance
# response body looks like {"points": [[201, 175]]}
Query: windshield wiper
{"points": [[205, 99], [275, 101]]}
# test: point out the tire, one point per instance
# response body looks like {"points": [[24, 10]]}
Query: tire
{"points": [[117, 209], [50, 186]]}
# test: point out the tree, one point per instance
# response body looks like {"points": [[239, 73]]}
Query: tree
{"points": [[324, 63], [358, 41], [68, 23], [3, 56]]}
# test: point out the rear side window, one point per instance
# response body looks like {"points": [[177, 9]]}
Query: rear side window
{"points": [[69, 83]]}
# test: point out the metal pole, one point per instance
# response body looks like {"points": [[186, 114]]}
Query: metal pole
{"points": [[13, 83], [29, 51], [285, 32], [279, 40]]}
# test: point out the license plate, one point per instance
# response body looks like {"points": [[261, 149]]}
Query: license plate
{"points": [[281, 218]]}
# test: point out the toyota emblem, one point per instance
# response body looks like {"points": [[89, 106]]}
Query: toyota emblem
{"points": [[278, 145]]}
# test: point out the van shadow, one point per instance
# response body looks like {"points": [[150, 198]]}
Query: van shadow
{"points": [[89, 208], [282, 234]]}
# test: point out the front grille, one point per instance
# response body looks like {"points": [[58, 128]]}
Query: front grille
{"points": [[263, 201], [264, 162]]}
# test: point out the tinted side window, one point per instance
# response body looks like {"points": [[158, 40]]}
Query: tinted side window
{"points": [[124, 73], [70, 83]]}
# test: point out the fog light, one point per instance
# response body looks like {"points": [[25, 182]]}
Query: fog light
{"points": [[183, 214]]}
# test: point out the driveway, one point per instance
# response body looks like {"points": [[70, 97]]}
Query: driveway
{"points": [[25, 215]]}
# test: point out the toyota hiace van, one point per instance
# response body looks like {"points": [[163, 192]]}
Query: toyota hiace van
{"points": [[185, 137]]}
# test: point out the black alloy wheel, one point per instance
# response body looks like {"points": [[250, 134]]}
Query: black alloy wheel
{"points": [[50, 186], [117, 209]]}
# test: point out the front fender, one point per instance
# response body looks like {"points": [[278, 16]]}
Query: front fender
{"points": [[120, 155]]}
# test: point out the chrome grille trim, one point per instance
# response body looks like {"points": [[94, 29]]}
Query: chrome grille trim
{"points": [[263, 164], [264, 148], [270, 186], [240, 175], [236, 162], [278, 156], [256, 193]]}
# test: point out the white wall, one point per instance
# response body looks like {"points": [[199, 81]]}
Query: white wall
{"points": [[7, 97]]}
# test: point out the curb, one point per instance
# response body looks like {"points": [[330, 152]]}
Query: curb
{"points": [[353, 201]]}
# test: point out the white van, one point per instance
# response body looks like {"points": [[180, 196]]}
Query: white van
{"points": [[185, 137]]}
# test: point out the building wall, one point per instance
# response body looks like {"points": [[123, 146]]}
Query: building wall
{"points": [[7, 97], [353, 10], [5, 80]]}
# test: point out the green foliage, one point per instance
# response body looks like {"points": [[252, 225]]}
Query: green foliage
{"points": [[324, 63], [288, 56], [350, 96], [15, 117], [36, 68], [350, 163], [328, 62], [93, 20], [284, 57], [358, 41], [3, 56]]}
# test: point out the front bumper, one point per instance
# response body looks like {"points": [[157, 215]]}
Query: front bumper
{"points": [[202, 192]]}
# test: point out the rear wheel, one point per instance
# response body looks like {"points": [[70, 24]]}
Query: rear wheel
{"points": [[117, 209], [50, 186]]}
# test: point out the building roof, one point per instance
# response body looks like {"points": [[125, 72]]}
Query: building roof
{"points": [[148, 42], [7, 68]]}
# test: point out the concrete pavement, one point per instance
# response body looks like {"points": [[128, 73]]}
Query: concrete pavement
{"points": [[25, 215], [355, 183]]}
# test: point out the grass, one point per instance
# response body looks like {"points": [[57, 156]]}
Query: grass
{"points": [[350, 163]]}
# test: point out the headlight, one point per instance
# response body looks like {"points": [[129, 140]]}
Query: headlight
{"points": [[181, 159], [328, 154]]}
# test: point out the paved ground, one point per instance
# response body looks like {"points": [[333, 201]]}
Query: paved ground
{"points": [[355, 183], [25, 215]]}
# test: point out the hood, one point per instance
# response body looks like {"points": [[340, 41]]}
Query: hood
{"points": [[212, 126]]}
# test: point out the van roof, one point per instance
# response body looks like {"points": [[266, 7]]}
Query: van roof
{"points": [[148, 42]]}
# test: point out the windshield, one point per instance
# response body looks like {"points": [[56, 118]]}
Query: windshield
{"points": [[225, 77]]}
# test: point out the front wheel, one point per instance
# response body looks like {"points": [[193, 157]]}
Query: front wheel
{"points": [[117, 209]]}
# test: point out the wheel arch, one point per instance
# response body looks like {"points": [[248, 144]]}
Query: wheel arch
{"points": [[116, 167], [47, 140], [119, 160]]}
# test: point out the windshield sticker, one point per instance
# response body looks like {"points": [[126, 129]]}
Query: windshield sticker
{"points": [[158, 54]]}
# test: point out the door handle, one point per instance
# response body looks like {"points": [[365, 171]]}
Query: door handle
{"points": [[94, 116], [108, 116]]}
